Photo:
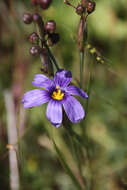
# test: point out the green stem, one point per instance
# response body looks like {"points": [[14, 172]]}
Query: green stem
{"points": [[77, 143], [51, 56], [40, 25], [88, 92], [74, 150], [81, 68], [67, 168]]}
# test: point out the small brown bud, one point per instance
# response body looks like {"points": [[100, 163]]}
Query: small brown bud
{"points": [[44, 4], [90, 7], [35, 50], [33, 37], [34, 2], [50, 26], [79, 9], [53, 39], [27, 18], [36, 17]]}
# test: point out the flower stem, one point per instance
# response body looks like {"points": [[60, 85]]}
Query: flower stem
{"points": [[40, 25], [77, 143], [67, 168], [81, 68], [51, 56], [88, 91]]}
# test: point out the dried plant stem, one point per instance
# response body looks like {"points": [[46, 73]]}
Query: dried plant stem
{"points": [[12, 138], [82, 38], [84, 3]]}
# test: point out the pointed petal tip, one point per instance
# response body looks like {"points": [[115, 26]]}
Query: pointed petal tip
{"points": [[86, 96], [57, 125], [74, 90]]}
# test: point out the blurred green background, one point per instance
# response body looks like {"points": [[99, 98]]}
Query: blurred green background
{"points": [[106, 123]]}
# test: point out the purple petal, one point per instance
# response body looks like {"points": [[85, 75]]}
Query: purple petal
{"points": [[62, 78], [54, 112], [73, 109], [35, 98], [42, 81], [74, 90]]}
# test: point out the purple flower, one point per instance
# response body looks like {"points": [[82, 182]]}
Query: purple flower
{"points": [[58, 94]]}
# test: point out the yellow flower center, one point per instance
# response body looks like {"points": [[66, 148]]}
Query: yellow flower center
{"points": [[57, 95]]}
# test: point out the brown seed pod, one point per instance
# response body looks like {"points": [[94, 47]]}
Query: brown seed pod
{"points": [[91, 7], [35, 50], [50, 26], [44, 4], [27, 18], [36, 17], [33, 37], [34, 2], [79, 9]]}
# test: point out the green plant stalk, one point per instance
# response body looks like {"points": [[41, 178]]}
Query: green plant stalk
{"points": [[77, 143], [88, 92], [66, 167], [81, 68], [40, 31], [76, 140], [87, 140], [84, 124], [51, 56], [78, 160], [74, 150]]}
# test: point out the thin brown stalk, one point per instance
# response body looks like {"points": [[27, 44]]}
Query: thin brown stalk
{"points": [[12, 138]]}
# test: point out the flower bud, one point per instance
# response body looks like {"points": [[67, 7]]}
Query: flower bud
{"points": [[44, 4], [90, 7], [79, 9], [34, 2], [50, 26], [27, 18], [33, 37], [35, 50], [38, 20], [36, 17], [53, 39]]}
